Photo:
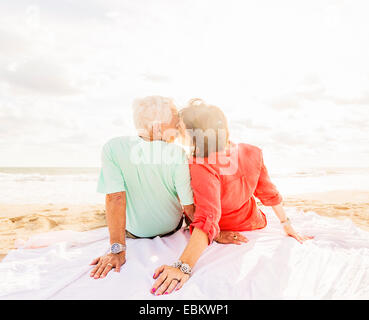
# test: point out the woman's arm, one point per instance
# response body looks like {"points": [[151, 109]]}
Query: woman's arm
{"points": [[195, 247], [224, 236], [204, 228], [281, 214], [168, 277], [268, 194]]}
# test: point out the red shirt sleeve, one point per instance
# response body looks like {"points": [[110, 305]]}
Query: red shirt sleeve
{"points": [[206, 191], [265, 190]]}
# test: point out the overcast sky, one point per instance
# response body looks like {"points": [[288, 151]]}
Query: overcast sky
{"points": [[292, 76]]}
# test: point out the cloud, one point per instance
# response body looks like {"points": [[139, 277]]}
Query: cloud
{"points": [[250, 124], [155, 77], [39, 76], [75, 11], [309, 89], [286, 102], [360, 100], [12, 43], [69, 71]]}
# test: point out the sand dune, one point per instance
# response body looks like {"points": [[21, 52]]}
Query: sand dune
{"points": [[19, 222]]}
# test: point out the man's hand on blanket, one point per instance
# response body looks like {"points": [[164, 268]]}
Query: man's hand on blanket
{"points": [[168, 279], [292, 233], [226, 237], [106, 263]]}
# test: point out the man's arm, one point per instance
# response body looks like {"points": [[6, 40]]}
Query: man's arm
{"points": [[115, 204], [116, 219]]}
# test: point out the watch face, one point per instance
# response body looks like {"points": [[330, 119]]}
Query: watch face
{"points": [[185, 268], [115, 248]]}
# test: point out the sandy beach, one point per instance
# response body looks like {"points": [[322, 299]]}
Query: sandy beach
{"points": [[340, 204], [19, 222]]}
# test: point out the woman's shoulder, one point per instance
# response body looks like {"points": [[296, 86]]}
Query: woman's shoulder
{"points": [[201, 167], [248, 148]]}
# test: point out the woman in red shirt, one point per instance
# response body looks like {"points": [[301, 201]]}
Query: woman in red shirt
{"points": [[225, 179]]}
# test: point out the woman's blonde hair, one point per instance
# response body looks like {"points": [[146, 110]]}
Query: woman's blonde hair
{"points": [[206, 125]]}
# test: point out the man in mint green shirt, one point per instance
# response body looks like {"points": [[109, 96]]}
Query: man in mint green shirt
{"points": [[146, 180], [156, 179]]}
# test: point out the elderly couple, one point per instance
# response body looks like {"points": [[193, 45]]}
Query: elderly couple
{"points": [[152, 187]]}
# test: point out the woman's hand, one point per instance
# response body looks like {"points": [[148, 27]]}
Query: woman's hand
{"points": [[106, 263], [292, 233], [227, 237], [168, 279]]}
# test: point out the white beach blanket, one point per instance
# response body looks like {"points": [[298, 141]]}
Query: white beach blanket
{"points": [[334, 265]]}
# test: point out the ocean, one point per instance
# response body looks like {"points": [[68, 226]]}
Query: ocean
{"points": [[72, 185], [49, 185]]}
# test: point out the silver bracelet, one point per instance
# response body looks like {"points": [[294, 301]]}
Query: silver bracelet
{"points": [[177, 264], [287, 222], [186, 269]]}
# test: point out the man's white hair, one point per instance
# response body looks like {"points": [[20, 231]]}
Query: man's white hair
{"points": [[152, 110]]}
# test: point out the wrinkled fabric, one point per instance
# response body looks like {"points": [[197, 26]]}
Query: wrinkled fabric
{"points": [[334, 265]]}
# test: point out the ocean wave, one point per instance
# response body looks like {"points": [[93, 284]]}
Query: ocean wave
{"points": [[18, 177], [91, 175], [318, 172]]}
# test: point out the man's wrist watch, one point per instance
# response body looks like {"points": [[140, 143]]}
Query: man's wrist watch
{"points": [[117, 248]]}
